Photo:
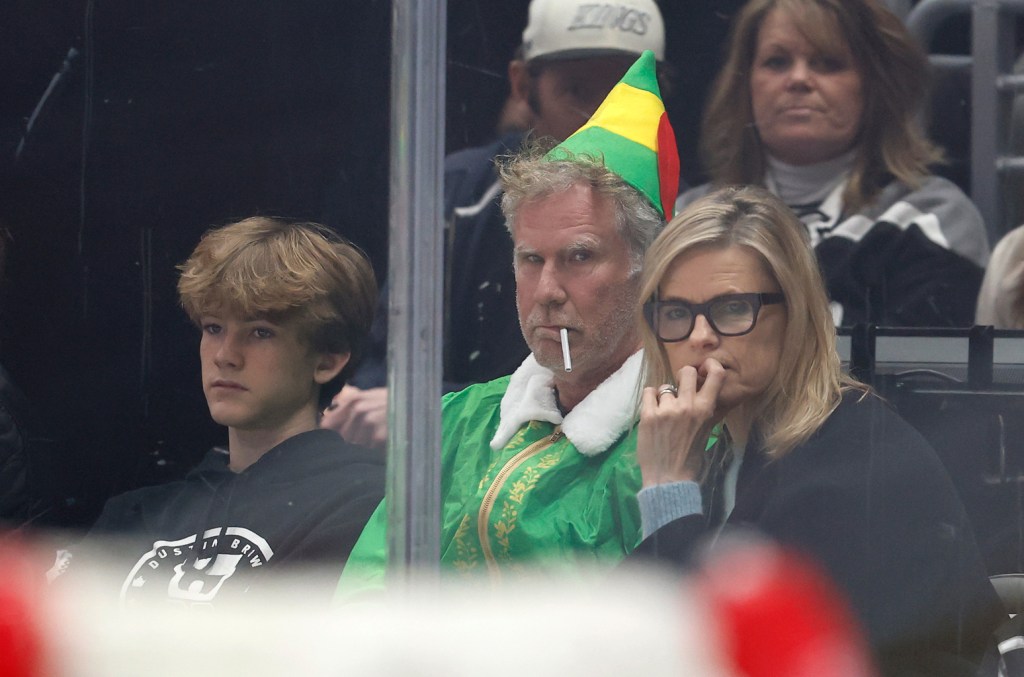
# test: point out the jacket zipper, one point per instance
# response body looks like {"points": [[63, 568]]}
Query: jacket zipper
{"points": [[496, 486]]}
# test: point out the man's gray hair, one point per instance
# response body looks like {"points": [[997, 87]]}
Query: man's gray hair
{"points": [[528, 177]]}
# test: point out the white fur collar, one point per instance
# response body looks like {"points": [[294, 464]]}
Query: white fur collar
{"points": [[592, 426]]}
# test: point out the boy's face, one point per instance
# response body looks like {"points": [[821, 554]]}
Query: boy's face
{"points": [[258, 375]]}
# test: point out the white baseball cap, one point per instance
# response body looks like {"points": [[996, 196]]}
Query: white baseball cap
{"points": [[569, 29]]}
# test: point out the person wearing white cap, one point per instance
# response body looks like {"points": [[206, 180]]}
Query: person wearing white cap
{"points": [[573, 53], [571, 56]]}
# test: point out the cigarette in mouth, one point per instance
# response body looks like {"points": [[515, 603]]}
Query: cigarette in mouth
{"points": [[565, 349]]}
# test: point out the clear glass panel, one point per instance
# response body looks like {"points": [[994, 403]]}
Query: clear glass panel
{"points": [[128, 128]]}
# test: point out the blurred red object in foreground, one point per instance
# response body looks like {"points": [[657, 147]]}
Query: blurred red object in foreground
{"points": [[780, 616], [20, 643]]}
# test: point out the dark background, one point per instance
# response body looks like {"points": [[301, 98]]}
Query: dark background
{"points": [[177, 116]]}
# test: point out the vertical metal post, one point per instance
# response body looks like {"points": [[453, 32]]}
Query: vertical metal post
{"points": [[991, 42], [980, 357], [862, 353], [415, 281]]}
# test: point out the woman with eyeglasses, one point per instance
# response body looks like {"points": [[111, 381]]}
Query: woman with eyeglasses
{"points": [[747, 419]]}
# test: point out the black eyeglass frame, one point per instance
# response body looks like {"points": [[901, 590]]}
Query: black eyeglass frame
{"points": [[755, 299]]}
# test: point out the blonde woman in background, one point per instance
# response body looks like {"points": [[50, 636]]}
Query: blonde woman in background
{"points": [[819, 102]]}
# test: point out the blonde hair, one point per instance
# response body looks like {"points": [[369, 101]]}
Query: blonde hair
{"points": [[286, 272], [809, 381], [894, 72]]}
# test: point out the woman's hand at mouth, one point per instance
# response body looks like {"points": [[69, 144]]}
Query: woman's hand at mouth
{"points": [[675, 422]]}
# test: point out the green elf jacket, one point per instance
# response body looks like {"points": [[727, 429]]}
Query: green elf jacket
{"points": [[521, 485]]}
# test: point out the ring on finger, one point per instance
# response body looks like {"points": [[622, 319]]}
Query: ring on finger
{"points": [[667, 388]]}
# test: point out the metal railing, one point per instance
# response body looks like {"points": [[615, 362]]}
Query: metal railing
{"points": [[990, 62]]}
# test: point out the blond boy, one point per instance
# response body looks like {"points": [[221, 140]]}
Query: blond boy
{"points": [[283, 309]]}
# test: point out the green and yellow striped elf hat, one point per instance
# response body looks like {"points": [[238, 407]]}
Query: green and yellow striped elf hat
{"points": [[631, 131]]}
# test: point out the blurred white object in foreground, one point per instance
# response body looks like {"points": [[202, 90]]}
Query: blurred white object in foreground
{"points": [[542, 627]]}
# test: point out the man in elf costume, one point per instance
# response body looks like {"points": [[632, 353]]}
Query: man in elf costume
{"points": [[539, 467]]}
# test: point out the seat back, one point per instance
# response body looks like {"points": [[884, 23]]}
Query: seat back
{"points": [[1010, 588], [1005, 657]]}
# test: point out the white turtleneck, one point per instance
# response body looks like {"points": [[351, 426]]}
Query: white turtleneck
{"points": [[799, 185]]}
